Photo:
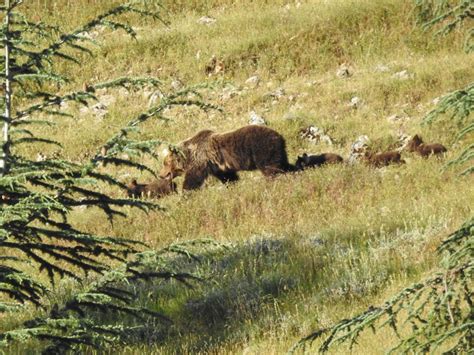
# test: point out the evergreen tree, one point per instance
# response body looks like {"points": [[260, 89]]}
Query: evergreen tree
{"points": [[37, 195]]}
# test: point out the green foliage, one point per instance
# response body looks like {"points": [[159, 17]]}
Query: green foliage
{"points": [[38, 196], [460, 105], [79, 321], [447, 15], [438, 311]]}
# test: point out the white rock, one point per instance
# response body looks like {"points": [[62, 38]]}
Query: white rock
{"points": [[315, 135], [84, 110], [403, 75], [277, 94], [356, 102], [154, 97], [100, 110], [358, 149], [343, 71], [397, 118], [229, 92], [206, 20], [255, 119], [176, 84], [85, 36], [403, 139], [123, 92], [253, 81], [64, 105], [436, 100], [41, 157]]}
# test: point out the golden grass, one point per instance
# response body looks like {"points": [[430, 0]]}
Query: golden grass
{"points": [[336, 239]]}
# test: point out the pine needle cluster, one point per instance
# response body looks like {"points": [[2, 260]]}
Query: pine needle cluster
{"points": [[37, 196]]}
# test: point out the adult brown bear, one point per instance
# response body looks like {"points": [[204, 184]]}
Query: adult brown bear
{"points": [[224, 154]]}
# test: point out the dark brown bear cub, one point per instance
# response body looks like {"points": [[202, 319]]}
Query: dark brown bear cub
{"points": [[155, 189], [424, 149], [383, 159], [224, 154], [308, 161]]}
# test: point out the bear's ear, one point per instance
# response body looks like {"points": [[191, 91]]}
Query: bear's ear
{"points": [[304, 156]]}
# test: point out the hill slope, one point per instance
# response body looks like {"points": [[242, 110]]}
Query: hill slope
{"points": [[305, 249]]}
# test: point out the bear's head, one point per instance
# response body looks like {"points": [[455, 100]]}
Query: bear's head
{"points": [[302, 161], [414, 143], [133, 189], [173, 165]]}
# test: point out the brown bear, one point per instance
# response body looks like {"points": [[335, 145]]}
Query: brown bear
{"points": [[308, 161], [155, 189], [425, 150], [224, 154], [383, 159]]}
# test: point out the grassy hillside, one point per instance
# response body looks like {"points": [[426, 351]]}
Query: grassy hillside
{"points": [[302, 250]]}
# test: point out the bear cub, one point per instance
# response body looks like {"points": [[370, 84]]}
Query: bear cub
{"points": [[425, 149], [155, 189], [308, 161], [383, 159]]}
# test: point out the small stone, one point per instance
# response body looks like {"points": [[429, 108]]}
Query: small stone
{"points": [[436, 100], [123, 92], [154, 97], [253, 81], [343, 71], [403, 140], [393, 118], [206, 20], [358, 149], [100, 110], [356, 102], [277, 94], [229, 92], [255, 119], [64, 105], [177, 84], [84, 110], [315, 135], [41, 157], [403, 75]]}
